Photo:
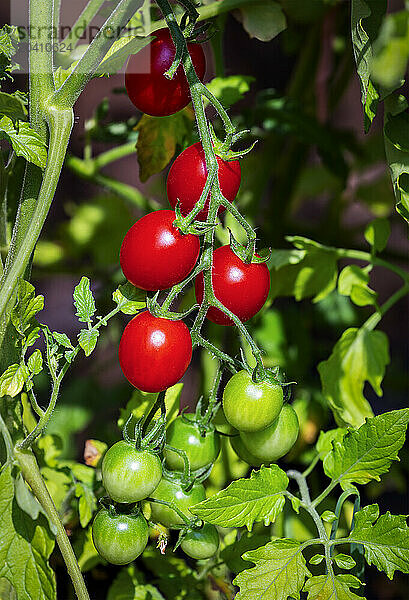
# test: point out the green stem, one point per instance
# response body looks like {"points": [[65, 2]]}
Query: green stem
{"points": [[8, 442], [367, 257], [84, 19], [3, 207], [158, 405], [311, 467], [171, 505], [374, 319], [324, 494], [32, 475], [114, 154], [43, 421], [344, 496]]}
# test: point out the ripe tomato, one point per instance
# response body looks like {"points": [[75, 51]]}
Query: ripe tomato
{"points": [[183, 433], [120, 538], [148, 89], [276, 440], [128, 474], [250, 406], [187, 178], [171, 491], [242, 288], [155, 255], [201, 543], [154, 353]]}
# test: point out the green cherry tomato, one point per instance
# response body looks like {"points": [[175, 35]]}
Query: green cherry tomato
{"points": [[171, 491], [128, 474], [276, 440], [201, 543], [120, 538], [184, 433], [250, 406], [242, 452]]}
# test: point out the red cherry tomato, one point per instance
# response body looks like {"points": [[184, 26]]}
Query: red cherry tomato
{"points": [[148, 89], [242, 288], [155, 255], [187, 178], [154, 353]]}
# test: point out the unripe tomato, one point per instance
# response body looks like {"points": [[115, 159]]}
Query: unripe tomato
{"points": [[171, 491], [275, 441], [250, 406], [119, 538], [242, 288], [201, 543], [148, 89], [183, 433], [187, 178], [154, 353], [240, 449], [155, 255], [128, 474]]}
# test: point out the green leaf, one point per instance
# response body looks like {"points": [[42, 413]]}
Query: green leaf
{"points": [[9, 39], [35, 362], [263, 19], [397, 130], [60, 74], [344, 561], [25, 547], [316, 559], [366, 453], [13, 379], [173, 576], [353, 282], [87, 503], [7, 591], [85, 550], [141, 403], [377, 234], [128, 585], [157, 140], [84, 301], [398, 160], [245, 501], [330, 587], [359, 355], [25, 141], [325, 441], [62, 339], [27, 306], [366, 18], [119, 52], [236, 544], [87, 339], [328, 516], [13, 107], [385, 539], [391, 51], [279, 572], [129, 298], [230, 90]]}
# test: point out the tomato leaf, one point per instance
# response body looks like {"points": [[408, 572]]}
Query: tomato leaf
{"points": [[344, 561], [325, 441], [366, 453], [87, 504], [173, 577], [13, 379], [87, 339], [398, 160], [119, 52], [129, 298], [12, 106], [84, 301], [245, 501], [358, 356], [230, 90], [353, 282], [25, 141], [27, 306], [377, 233], [263, 19], [63, 340], [280, 572], [385, 539], [129, 585], [35, 362], [328, 587], [391, 51], [24, 543]]}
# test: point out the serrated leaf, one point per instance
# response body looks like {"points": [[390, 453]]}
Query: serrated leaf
{"points": [[13, 107], [332, 587], [35, 362], [128, 585], [13, 379], [325, 441], [62, 339], [279, 572], [87, 339], [32, 336], [25, 141], [87, 504], [27, 306], [344, 561], [246, 501], [230, 90], [385, 539], [129, 298], [263, 19], [359, 355], [25, 547], [60, 74], [84, 301], [237, 543], [366, 453], [119, 52]]}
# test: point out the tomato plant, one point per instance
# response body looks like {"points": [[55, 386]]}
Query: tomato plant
{"points": [[242, 288], [148, 88], [171, 491], [187, 178], [154, 353], [119, 538], [155, 255], [201, 450], [202, 543]]}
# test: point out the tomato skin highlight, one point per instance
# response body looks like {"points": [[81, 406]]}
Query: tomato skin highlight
{"points": [[119, 539], [128, 474], [275, 441], [250, 406], [201, 543], [155, 255], [201, 451], [187, 178], [171, 491], [147, 87], [240, 287], [154, 353]]}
